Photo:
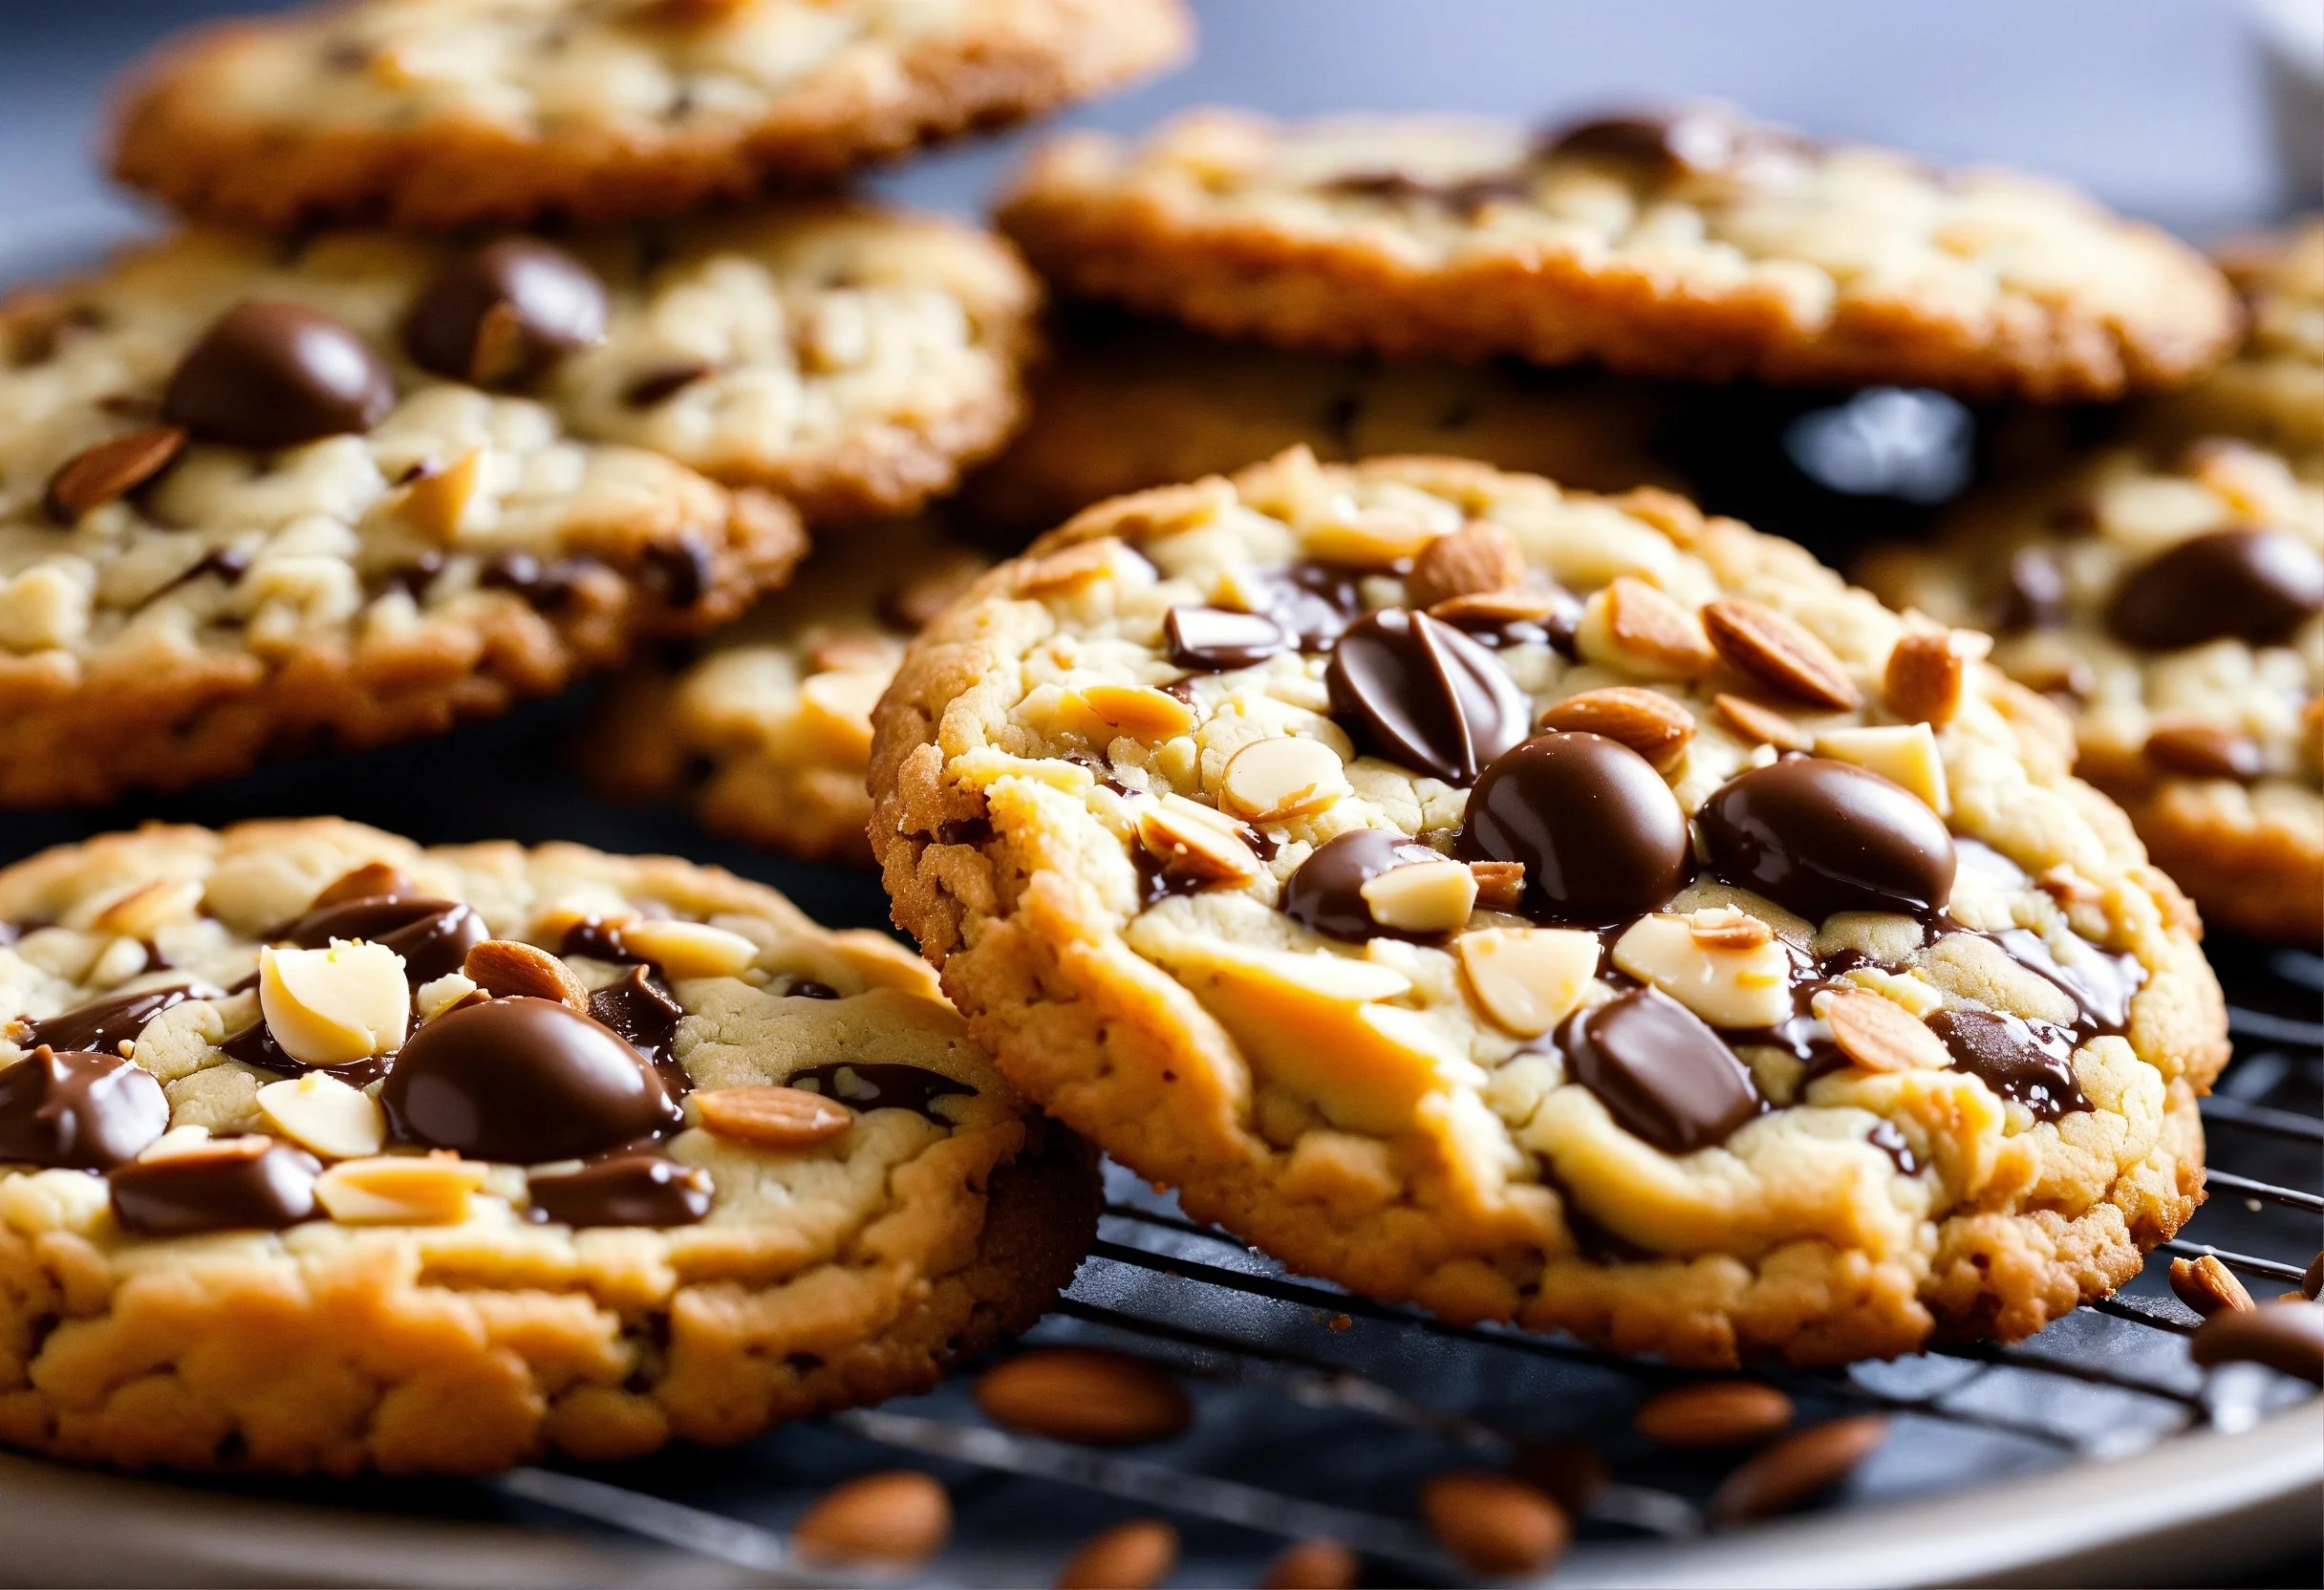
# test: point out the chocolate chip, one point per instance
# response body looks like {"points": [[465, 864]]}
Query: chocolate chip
{"points": [[1311, 602], [869, 1086], [274, 375], [102, 1024], [1326, 893], [544, 585], [2030, 1061], [242, 1183], [679, 572], [629, 1190], [657, 387], [1213, 640], [78, 1111], [522, 1080], [112, 468], [640, 1010], [1699, 143], [434, 936], [1418, 692], [2287, 1338], [505, 313], [1599, 833], [2032, 593], [1661, 1073], [2256, 585], [1818, 836]]}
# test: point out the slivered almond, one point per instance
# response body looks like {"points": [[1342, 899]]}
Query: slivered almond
{"points": [[1137, 710], [2207, 1286], [1495, 1524], [371, 879], [1761, 725], [1650, 633], [146, 911], [1206, 852], [1271, 781], [1065, 570], [1480, 557], [1085, 1394], [1500, 884], [897, 1518], [1713, 1413], [1923, 679], [1879, 1034], [434, 504], [108, 469], [1736, 931], [1774, 649], [2204, 751], [507, 968], [1648, 721], [1497, 607], [773, 1117], [1792, 1471]]}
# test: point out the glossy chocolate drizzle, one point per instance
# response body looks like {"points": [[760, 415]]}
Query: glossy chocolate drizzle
{"points": [[869, 1086], [78, 1111], [105, 1025]]}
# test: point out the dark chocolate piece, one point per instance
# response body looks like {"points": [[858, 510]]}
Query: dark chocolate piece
{"points": [[1418, 692], [867, 1087], [242, 1183], [272, 375], [1326, 893], [1599, 833], [434, 936], [1661, 1073], [1702, 141], [1214, 639], [103, 1024], [78, 1111], [2032, 593], [505, 313], [2256, 585], [626, 1190], [2028, 1061], [1818, 836]]}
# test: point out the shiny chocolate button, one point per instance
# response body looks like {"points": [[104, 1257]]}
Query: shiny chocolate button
{"points": [[1818, 836], [505, 313], [1599, 833], [273, 374]]}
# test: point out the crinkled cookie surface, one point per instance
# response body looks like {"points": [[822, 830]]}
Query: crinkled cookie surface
{"points": [[1551, 908], [454, 113], [321, 1151], [1695, 245]]}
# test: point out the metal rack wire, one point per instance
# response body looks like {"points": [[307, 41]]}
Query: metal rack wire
{"points": [[1321, 1409]]}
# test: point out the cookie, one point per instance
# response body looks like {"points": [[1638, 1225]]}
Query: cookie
{"points": [[1696, 246], [768, 730], [2172, 602], [320, 1152], [2273, 390], [1124, 404], [1410, 862], [443, 113]]}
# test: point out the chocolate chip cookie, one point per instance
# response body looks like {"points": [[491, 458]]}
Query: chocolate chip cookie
{"points": [[322, 1152], [1697, 245], [1551, 908], [444, 112], [1123, 405], [768, 730], [2172, 602], [2273, 390]]}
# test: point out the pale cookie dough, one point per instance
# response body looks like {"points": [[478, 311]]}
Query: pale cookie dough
{"points": [[455, 113], [2273, 390], [1698, 246], [834, 1198], [1124, 404], [767, 732], [2173, 602], [1965, 1096]]}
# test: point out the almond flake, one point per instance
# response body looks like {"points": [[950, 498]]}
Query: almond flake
{"points": [[507, 968], [1879, 1034], [2207, 1286], [1644, 632], [1923, 679], [1648, 721], [1500, 884], [110, 469], [1761, 725], [1774, 649], [1478, 557], [773, 1117]]}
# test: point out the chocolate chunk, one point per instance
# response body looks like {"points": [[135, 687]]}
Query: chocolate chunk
{"points": [[1818, 836], [2099, 984], [256, 1045], [679, 572], [627, 1190], [1467, 194], [641, 1011], [2287, 1338], [1213, 640], [2256, 585], [2031, 1061], [78, 1111], [868, 1087], [657, 387], [599, 940], [1599, 833], [1703, 142], [242, 1183], [546, 585], [434, 936], [505, 312], [1327, 891], [1311, 602], [102, 1024], [1661, 1073], [1418, 692], [111, 468], [522, 1080], [2032, 593], [274, 375]]}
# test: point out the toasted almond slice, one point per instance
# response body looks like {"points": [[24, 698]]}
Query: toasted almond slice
{"points": [[323, 1113], [1497, 607], [773, 1117], [1369, 538], [149, 907], [1734, 929], [1648, 721], [508, 968], [1528, 979], [1480, 557], [1139, 711], [368, 881], [1775, 650], [437, 501], [1880, 1035], [330, 1006], [684, 948], [1632, 627], [1271, 781], [401, 1190], [1069, 569], [1500, 885], [1205, 851], [1902, 753], [2207, 1286], [1744, 987], [1924, 677], [109, 469], [1428, 896], [1761, 725]]}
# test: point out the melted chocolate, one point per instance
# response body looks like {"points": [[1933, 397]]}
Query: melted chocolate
{"points": [[1312, 602], [505, 313], [270, 375], [256, 1045], [2257, 586], [1416, 691], [2032, 593], [1599, 833], [522, 1081], [867, 1087], [1818, 836], [434, 936], [1466, 195], [679, 572], [1889, 1141], [1663, 1075], [544, 585], [78, 1111], [1699, 143], [2029, 1061], [657, 387], [240, 1184], [2099, 984], [599, 940], [639, 1008], [625, 1189], [1215, 639], [1326, 893], [104, 1024]]}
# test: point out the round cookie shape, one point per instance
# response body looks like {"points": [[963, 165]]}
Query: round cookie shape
{"points": [[1703, 247], [602, 111], [1568, 1046], [573, 1176], [2168, 597]]}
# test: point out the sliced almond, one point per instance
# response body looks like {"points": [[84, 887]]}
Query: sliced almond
{"points": [[1480, 557], [1369, 538], [185, 1140], [508, 968], [1495, 1525], [1428, 896], [109, 469], [898, 1519], [332, 1007], [851, 654], [2204, 751], [1500, 885], [323, 1113], [1713, 1413], [401, 1190], [430, 999], [1879, 1034], [435, 502], [1648, 721], [1134, 1555], [148, 908], [1902, 753], [1775, 650], [1736, 930], [369, 881], [689, 949], [1085, 1394], [1498, 607], [1272, 781], [1205, 852], [1528, 979], [1924, 677], [1069, 569], [1632, 627], [2207, 1286], [773, 1117], [1761, 725], [1743, 987], [1793, 1471], [1139, 711]]}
